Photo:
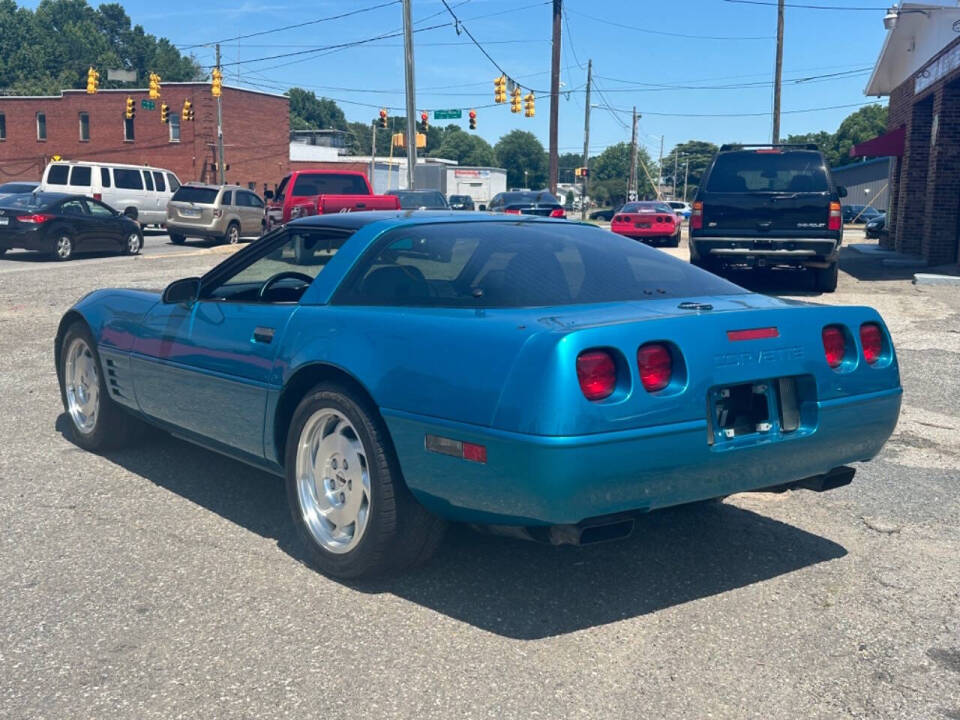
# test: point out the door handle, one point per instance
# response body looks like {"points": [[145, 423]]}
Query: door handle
{"points": [[263, 335]]}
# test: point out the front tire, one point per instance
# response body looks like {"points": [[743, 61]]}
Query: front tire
{"points": [[347, 496]]}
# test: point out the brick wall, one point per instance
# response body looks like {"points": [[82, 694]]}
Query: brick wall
{"points": [[256, 133]]}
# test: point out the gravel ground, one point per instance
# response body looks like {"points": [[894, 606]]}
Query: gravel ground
{"points": [[164, 581]]}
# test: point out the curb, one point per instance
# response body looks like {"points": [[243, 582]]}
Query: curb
{"points": [[934, 279]]}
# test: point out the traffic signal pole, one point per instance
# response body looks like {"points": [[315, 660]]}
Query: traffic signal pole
{"points": [[220, 166], [411, 99], [586, 144], [555, 96]]}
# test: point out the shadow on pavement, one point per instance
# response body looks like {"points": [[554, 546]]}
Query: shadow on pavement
{"points": [[511, 587]]}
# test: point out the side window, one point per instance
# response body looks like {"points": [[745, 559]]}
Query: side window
{"points": [[98, 210], [80, 176], [305, 253], [57, 175], [128, 179], [227, 198], [251, 200], [73, 207], [149, 179], [158, 177], [105, 177], [174, 183], [282, 189]]}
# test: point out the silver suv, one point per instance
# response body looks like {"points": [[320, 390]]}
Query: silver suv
{"points": [[224, 213]]}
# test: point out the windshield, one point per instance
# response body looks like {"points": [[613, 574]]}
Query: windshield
{"points": [[766, 171], [500, 265], [199, 195], [542, 197], [646, 207], [426, 199]]}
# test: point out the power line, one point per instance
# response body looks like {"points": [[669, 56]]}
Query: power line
{"points": [[292, 27], [756, 114], [810, 7], [672, 34], [647, 87]]}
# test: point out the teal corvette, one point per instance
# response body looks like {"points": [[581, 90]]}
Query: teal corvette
{"points": [[542, 378]]}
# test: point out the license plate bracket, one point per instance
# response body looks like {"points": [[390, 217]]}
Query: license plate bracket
{"points": [[738, 411], [4, 221]]}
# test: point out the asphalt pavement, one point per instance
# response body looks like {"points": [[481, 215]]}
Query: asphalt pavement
{"points": [[165, 581]]}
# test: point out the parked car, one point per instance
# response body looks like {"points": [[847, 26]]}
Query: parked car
{"points": [[765, 206], [223, 213], [63, 225], [604, 214], [140, 192], [527, 202], [552, 380], [681, 208], [461, 202], [420, 199], [318, 192], [17, 188], [859, 214], [653, 221], [875, 227]]}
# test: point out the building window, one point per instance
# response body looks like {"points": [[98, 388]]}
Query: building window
{"points": [[41, 127], [128, 132], [174, 127], [3, 127], [84, 127]]}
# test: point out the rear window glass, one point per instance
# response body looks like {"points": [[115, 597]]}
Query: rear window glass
{"points": [[158, 177], [529, 198], [496, 265], [768, 172], [32, 201], [329, 185], [80, 176], [174, 183], [199, 195], [646, 207], [227, 198], [414, 200], [128, 179], [58, 175]]}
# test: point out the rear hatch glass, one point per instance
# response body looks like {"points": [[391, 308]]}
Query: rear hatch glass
{"points": [[780, 172], [197, 195], [329, 184]]}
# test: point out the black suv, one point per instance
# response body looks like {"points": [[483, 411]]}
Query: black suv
{"points": [[768, 205]]}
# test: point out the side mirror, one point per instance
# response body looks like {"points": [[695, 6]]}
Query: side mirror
{"points": [[481, 206], [268, 194], [185, 291], [841, 191]]}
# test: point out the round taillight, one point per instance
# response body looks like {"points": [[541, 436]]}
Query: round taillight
{"points": [[656, 366], [834, 345], [597, 373], [871, 339]]}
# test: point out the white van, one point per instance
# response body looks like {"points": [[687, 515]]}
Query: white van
{"points": [[138, 191]]}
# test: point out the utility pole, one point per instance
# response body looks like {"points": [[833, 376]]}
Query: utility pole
{"points": [[220, 166], [411, 99], [686, 173], [777, 73], [373, 153], [555, 95], [586, 143], [676, 157], [632, 181], [660, 169]]}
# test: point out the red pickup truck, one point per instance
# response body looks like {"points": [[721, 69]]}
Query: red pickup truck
{"points": [[318, 192]]}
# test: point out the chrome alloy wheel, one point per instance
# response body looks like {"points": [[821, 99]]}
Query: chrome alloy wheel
{"points": [[333, 481], [64, 247], [133, 243], [233, 234], [82, 383]]}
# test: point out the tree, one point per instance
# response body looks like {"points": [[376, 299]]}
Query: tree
{"points": [[695, 156], [611, 168], [50, 49], [465, 148], [519, 151], [308, 112], [566, 164], [867, 122]]}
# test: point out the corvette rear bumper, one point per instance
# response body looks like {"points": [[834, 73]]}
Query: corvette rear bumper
{"points": [[545, 480]]}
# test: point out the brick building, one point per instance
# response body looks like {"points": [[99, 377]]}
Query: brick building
{"points": [[77, 126], [919, 70]]}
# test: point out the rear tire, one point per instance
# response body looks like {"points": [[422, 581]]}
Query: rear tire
{"points": [[62, 246], [826, 278], [177, 239], [347, 496], [232, 236], [674, 241]]}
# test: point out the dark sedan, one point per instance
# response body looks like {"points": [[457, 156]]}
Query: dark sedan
{"points": [[875, 227], [527, 202], [462, 202], [62, 225]]}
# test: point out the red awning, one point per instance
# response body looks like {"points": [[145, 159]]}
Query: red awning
{"points": [[885, 145]]}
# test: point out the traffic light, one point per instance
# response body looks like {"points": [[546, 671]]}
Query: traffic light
{"points": [[500, 89], [421, 141], [425, 121], [164, 113], [187, 113], [93, 81], [131, 109], [515, 106], [473, 119], [383, 118], [397, 140], [154, 86], [216, 82], [528, 105]]}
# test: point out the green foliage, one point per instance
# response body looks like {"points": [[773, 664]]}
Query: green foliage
{"points": [[568, 200], [520, 151], [308, 112], [698, 155], [50, 49], [609, 172], [867, 122], [566, 164], [465, 148]]}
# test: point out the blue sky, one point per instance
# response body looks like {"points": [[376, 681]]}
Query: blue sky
{"points": [[622, 38]]}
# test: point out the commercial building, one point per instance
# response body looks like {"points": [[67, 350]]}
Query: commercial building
{"points": [[867, 182], [919, 70], [78, 126]]}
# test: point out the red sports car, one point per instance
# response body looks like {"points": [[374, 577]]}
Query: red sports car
{"points": [[653, 222]]}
